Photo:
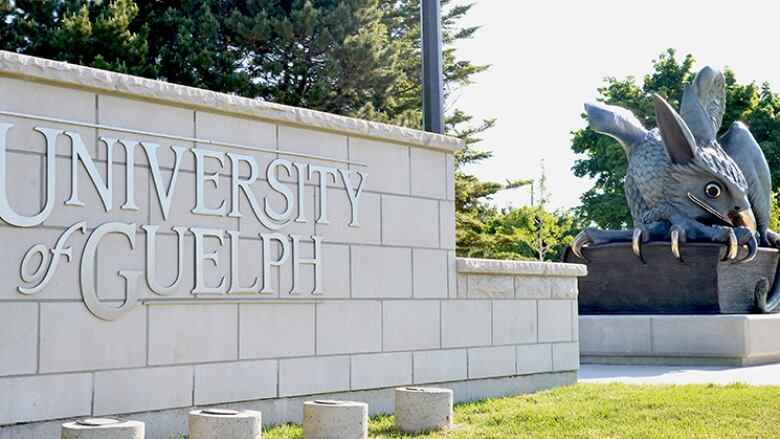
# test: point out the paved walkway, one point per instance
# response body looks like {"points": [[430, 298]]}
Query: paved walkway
{"points": [[756, 375]]}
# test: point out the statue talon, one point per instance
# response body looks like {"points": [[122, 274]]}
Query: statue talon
{"points": [[747, 237], [639, 237], [732, 247], [677, 235], [752, 245], [593, 236], [770, 239], [581, 240]]}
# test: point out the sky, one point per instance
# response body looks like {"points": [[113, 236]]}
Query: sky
{"points": [[548, 57]]}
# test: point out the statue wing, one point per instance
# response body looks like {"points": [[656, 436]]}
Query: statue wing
{"points": [[740, 144], [704, 103], [616, 122]]}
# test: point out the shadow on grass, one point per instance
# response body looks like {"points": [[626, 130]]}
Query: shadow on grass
{"points": [[384, 425], [379, 426]]}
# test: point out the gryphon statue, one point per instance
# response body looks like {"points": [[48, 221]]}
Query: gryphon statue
{"points": [[684, 184]]}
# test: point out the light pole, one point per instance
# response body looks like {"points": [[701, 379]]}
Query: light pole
{"points": [[433, 83]]}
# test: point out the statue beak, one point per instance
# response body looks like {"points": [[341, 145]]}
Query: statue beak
{"points": [[733, 218], [744, 218]]}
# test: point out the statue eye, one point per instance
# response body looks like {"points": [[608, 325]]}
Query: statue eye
{"points": [[712, 190]]}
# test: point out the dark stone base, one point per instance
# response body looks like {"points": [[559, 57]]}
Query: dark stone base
{"points": [[619, 283]]}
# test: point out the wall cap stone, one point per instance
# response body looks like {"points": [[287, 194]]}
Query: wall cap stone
{"points": [[510, 268], [45, 70]]}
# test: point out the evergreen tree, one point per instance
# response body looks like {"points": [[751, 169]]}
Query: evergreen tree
{"points": [[358, 58], [533, 233], [7, 34], [529, 232], [329, 55], [190, 44], [474, 216], [94, 34]]}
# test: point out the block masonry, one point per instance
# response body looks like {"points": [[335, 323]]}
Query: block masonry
{"points": [[248, 251]]}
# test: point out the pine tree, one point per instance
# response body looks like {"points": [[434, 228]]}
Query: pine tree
{"points": [[358, 58], [94, 34], [329, 55], [189, 43]]}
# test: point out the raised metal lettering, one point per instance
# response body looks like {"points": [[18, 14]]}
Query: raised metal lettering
{"points": [[151, 260], [297, 260], [354, 194], [301, 168], [129, 173], [87, 274], [50, 266], [80, 153], [164, 196], [201, 178], [269, 262], [273, 181], [235, 267], [7, 213], [200, 283], [325, 172]]}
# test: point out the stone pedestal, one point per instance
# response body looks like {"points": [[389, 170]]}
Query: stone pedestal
{"points": [[706, 340], [103, 428], [225, 424], [620, 283], [421, 409], [329, 419]]}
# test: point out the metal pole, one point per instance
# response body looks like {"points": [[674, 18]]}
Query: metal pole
{"points": [[433, 83]]}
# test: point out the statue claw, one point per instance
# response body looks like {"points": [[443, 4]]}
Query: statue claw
{"points": [[677, 236], [637, 240], [733, 247], [760, 294], [772, 239], [582, 239], [752, 245]]}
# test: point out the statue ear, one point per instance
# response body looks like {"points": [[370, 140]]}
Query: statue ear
{"points": [[695, 116], [678, 140], [704, 103]]}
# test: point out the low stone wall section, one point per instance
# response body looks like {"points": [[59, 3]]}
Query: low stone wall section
{"points": [[505, 319], [393, 306], [710, 340]]}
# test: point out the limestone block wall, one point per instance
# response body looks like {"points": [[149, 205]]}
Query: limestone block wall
{"points": [[165, 247], [529, 310], [712, 340]]}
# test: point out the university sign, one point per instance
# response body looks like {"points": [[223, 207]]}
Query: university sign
{"points": [[166, 247], [42, 259]]}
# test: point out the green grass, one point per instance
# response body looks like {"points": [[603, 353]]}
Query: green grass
{"points": [[606, 411]]}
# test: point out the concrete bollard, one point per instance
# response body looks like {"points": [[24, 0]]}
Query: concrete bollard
{"points": [[225, 424], [421, 409], [103, 428], [329, 419]]}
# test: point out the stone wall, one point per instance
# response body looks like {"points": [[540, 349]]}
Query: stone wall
{"points": [[324, 285], [709, 340], [531, 308]]}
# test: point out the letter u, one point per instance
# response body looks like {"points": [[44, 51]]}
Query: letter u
{"points": [[7, 213]]}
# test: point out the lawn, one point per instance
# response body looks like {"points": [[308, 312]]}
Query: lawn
{"points": [[607, 411]]}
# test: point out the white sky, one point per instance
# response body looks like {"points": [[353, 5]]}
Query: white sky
{"points": [[549, 57]]}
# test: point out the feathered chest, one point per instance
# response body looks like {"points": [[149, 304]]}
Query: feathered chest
{"points": [[648, 168]]}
